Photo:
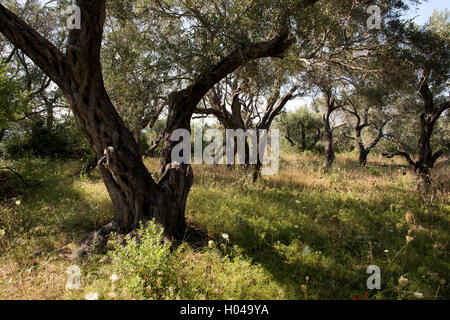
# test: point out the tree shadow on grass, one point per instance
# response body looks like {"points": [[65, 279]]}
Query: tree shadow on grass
{"points": [[344, 231], [292, 271]]}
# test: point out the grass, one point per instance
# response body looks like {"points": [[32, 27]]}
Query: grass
{"points": [[305, 233]]}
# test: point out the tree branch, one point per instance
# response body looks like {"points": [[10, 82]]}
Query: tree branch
{"points": [[275, 47], [426, 95], [436, 156], [402, 154], [40, 50], [338, 126]]}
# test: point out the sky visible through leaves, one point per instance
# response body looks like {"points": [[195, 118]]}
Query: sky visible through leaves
{"points": [[421, 13]]}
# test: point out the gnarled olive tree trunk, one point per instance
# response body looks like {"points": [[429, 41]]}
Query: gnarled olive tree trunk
{"points": [[329, 148], [328, 130], [135, 195], [361, 124], [425, 156], [234, 120]]}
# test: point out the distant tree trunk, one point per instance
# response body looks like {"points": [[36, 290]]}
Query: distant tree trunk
{"points": [[303, 137], [329, 148], [89, 166], [257, 171], [50, 117], [359, 127], [288, 138], [426, 158], [2, 134], [316, 138], [331, 106], [273, 109], [235, 121], [363, 153]]}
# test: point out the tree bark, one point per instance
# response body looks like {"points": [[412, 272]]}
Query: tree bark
{"points": [[363, 153], [50, 119], [316, 138], [303, 137], [425, 156], [362, 122], [329, 148], [136, 196], [233, 120], [331, 106]]}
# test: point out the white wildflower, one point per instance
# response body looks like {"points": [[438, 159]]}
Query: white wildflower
{"points": [[418, 295], [403, 281], [18, 203], [114, 277], [91, 296], [225, 236], [306, 251], [409, 239]]}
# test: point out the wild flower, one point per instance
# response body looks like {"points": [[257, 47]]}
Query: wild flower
{"points": [[306, 250], [418, 295], [18, 203], [409, 217], [210, 244], [409, 239], [114, 277], [403, 281], [91, 296], [225, 236]]}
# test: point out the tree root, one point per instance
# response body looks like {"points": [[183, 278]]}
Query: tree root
{"points": [[94, 241]]}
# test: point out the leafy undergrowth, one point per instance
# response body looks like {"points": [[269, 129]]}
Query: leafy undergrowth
{"points": [[305, 233]]}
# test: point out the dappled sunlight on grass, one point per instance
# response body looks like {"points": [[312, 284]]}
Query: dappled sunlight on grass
{"points": [[306, 233]]}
